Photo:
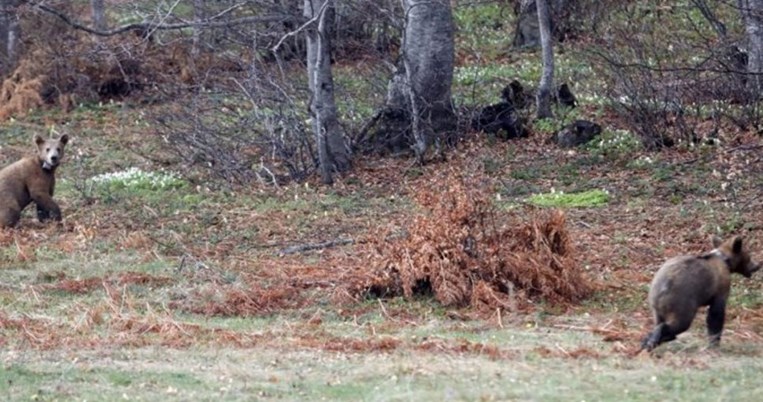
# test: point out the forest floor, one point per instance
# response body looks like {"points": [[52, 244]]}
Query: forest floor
{"points": [[193, 292]]}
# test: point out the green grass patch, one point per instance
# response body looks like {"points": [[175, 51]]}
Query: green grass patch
{"points": [[590, 198]]}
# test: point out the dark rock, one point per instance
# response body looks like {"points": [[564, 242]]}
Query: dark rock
{"points": [[500, 119], [578, 133], [565, 97]]}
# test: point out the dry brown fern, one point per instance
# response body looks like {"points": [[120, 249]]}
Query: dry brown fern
{"points": [[467, 253], [20, 92]]}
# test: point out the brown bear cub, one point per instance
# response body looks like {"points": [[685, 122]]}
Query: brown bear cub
{"points": [[32, 179], [685, 283]]}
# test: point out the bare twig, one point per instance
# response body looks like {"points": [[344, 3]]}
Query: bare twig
{"points": [[367, 126], [315, 18], [316, 246], [149, 26], [748, 147]]}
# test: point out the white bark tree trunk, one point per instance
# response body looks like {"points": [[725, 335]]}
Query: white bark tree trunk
{"points": [[752, 15], [99, 14], [10, 34], [547, 77], [428, 56], [198, 15], [333, 152]]}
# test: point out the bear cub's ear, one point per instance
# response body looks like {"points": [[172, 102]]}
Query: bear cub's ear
{"points": [[64, 139], [38, 139]]}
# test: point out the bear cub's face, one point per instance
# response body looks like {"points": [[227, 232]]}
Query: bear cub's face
{"points": [[738, 257], [50, 151]]}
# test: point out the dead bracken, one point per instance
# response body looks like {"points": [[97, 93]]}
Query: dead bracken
{"points": [[465, 252]]}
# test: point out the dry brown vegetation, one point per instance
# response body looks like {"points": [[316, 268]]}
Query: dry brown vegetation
{"points": [[466, 252], [20, 93]]}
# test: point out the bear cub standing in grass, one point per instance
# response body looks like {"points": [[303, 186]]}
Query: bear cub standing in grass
{"points": [[685, 283], [32, 179]]}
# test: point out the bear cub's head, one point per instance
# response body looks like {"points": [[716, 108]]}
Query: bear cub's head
{"points": [[50, 151], [737, 257]]}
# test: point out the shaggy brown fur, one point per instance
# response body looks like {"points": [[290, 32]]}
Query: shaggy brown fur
{"points": [[32, 179], [685, 283]]}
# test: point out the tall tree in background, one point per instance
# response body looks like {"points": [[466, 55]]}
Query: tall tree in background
{"points": [[99, 14], [10, 34], [333, 152], [198, 15], [752, 15], [428, 57], [547, 76]]}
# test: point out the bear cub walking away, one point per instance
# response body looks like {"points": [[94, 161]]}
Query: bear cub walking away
{"points": [[685, 283], [32, 179]]}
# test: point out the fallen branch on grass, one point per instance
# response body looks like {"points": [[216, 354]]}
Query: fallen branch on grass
{"points": [[746, 147], [299, 248]]}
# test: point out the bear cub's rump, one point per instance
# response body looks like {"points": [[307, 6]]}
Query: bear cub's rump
{"points": [[685, 283]]}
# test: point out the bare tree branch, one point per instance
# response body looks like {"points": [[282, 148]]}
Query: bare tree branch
{"points": [[149, 26], [315, 18]]}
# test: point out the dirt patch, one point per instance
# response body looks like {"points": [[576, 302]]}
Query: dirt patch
{"points": [[82, 286]]}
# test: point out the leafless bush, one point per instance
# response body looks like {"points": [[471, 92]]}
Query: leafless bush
{"points": [[239, 136], [571, 19], [367, 26], [668, 91]]}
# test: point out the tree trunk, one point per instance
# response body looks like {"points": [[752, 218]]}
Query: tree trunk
{"points": [[333, 153], [198, 15], [421, 84], [428, 58], [527, 31], [10, 35], [547, 76], [752, 15], [99, 14]]}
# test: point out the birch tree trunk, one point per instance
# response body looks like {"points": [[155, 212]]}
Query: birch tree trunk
{"points": [[99, 14], [198, 15], [547, 76], [752, 15], [10, 34], [428, 57], [333, 152], [14, 36]]}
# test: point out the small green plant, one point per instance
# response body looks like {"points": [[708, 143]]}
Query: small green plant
{"points": [[545, 126], [137, 179], [491, 165], [529, 173], [617, 144], [110, 187], [590, 198]]}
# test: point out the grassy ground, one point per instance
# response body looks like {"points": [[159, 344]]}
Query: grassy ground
{"points": [[185, 293], [541, 363]]}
